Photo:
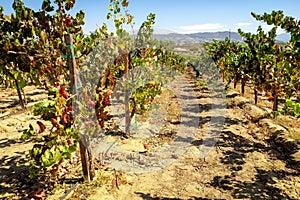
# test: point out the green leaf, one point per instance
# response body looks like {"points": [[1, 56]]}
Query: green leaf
{"points": [[36, 151], [122, 67], [80, 16], [289, 103], [297, 109], [47, 159], [33, 170], [52, 91], [56, 154], [111, 7], [47, 6], [28, 133], [22, 83], [109, 16], [72, 148]]}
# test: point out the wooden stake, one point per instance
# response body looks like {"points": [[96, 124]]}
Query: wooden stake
{"points": [[243, 86], [8, 73], [86, 156], [127, 96], [84, 160]]}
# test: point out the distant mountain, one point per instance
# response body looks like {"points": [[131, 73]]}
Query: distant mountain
{"points": [[217, 36], [198, 37], [202, 37], [284, 37]]}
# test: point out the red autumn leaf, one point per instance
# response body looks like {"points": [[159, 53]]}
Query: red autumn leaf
{"points": [[68, 21], [270, 98], [112, 80], [65, 117], [151, 85], [69, 108], [39, 194], [63, 92], [146, 146], [102, 124], [103, 115], [107, 99], [41, 126]]}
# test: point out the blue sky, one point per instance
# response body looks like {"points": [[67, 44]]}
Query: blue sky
{"points": [[184, 16]]}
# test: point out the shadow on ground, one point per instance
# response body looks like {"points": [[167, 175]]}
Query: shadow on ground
{"points": [[148, 197], [14, 173], [263, 185]]}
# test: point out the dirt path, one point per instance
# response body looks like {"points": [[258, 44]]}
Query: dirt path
{"points": [[241, 166], [246, 162]]}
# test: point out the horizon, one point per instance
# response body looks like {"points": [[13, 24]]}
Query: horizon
{"points": [[164, 32]]}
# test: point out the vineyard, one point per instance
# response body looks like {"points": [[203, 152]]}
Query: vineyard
{"points": [[114, 115]]}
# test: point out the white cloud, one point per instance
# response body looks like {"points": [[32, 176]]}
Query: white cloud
{"points": [[267, 28], [252, 28], [162, 31], [240, 24], [201, 28]]}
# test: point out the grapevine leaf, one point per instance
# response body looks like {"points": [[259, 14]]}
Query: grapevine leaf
{"points": [[297, 109], [47, 6], [41, 126], [289, 103]]}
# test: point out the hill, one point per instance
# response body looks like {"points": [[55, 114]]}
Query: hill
{"points": [[202, 37]]}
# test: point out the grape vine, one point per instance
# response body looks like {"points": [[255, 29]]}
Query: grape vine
{"points": [[33, 51], [261, 61]]}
